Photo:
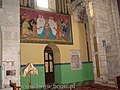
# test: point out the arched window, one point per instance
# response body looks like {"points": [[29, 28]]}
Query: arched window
{"points": [[42, 3], [47, 5], [59, 6]]}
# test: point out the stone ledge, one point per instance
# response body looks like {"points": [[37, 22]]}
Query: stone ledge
{"points": [[7, 89]]}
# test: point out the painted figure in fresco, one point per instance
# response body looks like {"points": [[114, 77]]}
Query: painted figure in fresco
{"points": [[23, 17], [68, 30], [35, 34], [40, 24], [59, 23], [58, 31], [47, 32], [25, 26], [64, 30], [33, 27], [32, 21], [52, 25], [47, 29]]}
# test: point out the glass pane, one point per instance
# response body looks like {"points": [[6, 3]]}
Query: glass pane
{"points": [[51, 67], [42, 3], [46, 66], [50, 57], [46, 56]]}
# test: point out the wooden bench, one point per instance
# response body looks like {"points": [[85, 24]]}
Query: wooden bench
{"points": [[15, 87]]}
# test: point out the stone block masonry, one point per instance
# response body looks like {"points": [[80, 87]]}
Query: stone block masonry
{"points": [[10, 29]]}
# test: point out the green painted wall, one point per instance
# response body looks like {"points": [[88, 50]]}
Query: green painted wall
{"points": [[63, 75], [36, 80], [57, 70], [71, 76]]}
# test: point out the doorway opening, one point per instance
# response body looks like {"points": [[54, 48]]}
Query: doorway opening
{"points": [[49, 65], [51, 61]]}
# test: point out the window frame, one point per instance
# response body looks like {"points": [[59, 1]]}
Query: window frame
{"points": [[45, 9], [42, 1]]}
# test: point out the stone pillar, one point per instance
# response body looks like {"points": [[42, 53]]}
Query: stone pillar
{"points": [[0, 56], [101, 27], [113, 45], [106, 22], [10, 27]]}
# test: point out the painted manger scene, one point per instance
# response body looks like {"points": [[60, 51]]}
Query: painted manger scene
{"points": [[42, 27]]}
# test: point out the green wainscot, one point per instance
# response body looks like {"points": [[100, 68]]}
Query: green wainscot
{"points": [[63, 75]]}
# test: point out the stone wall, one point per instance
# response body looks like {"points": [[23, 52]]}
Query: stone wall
{"points": [[106, 22], [0, 56], [10, 27], [112, 47]]}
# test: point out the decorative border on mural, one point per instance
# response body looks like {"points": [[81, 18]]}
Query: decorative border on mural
{"points": [[43, 27]]}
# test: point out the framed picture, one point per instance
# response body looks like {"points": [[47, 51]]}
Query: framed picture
{"points": [[75, 60], [44, 27], [10, 72]]}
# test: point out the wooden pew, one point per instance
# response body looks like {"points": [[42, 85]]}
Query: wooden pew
{"points": [[15, 87]]}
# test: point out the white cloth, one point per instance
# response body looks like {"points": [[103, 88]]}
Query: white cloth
{"points": [[40, 24], [52, 25]]}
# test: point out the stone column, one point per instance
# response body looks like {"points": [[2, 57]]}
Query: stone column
{"points": [[101, 27], [10, 27], [107, 30], [113, 45], [0, 56]]}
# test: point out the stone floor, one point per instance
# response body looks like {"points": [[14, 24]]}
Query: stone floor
{"points": [[86, 87], [93, 87]]}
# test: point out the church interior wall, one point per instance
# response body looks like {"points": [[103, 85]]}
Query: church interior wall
{"points": [[16, 55], [34, 53], [10, 58]]}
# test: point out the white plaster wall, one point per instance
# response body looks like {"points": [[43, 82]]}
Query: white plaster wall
{"points": [[10, 26]]}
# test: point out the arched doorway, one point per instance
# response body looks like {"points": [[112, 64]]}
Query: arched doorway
{"points": [[54, 52], [49, 65]]}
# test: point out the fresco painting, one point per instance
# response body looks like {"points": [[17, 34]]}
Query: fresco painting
{"points": [[43, 27]]}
